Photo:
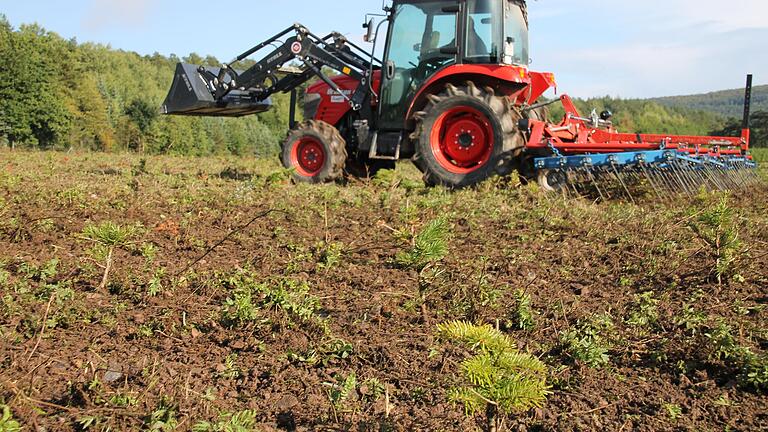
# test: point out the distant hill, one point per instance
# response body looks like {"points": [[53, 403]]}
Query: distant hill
{"points": [[728, 103]]}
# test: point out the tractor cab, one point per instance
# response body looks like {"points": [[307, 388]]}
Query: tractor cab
{"points": [[426, 36]]}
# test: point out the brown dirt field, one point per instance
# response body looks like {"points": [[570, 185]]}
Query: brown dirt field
{"points": [[160, 348]]}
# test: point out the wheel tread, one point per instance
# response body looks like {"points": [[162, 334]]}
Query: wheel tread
{"points": [[331, 136], [504, 110]]}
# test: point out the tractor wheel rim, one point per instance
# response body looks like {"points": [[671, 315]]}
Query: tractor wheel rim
{"points": [[308, 156], [462, 140]]}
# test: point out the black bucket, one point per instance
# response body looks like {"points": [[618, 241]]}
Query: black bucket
{"points": [[191, 96]]}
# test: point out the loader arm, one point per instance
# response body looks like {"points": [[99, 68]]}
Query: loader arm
{"points": [[229, 90]]}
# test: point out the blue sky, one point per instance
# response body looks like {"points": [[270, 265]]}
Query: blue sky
{"points": [[595, 47]]}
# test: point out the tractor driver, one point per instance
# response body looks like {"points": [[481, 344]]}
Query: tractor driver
{"points": [[476, 47]]}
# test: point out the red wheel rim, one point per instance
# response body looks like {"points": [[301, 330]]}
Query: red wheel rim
{"points": [[308, 156], [462, 140]]}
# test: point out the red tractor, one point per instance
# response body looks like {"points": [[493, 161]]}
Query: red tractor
{"points": [[453, 93]]}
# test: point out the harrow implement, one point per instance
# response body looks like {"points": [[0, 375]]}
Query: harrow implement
{"points": [[587, 156]]}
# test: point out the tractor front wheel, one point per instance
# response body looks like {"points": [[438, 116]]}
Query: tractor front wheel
{"points": [[315, 151], [466, 135]]}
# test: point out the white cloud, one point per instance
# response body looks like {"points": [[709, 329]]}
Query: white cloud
{"points": [[103, 14], [725, 16], [652, 48]]}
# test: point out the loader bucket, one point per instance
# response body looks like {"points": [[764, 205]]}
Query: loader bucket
{"points": [[190, 95]]}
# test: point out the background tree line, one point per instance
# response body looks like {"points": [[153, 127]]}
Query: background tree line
{"points": [[60, 94]]}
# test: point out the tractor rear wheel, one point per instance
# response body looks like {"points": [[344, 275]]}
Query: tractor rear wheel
{"points": [[465, 135], [315, 151]]}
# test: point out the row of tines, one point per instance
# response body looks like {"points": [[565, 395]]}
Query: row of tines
{"points": [[665, 180]]}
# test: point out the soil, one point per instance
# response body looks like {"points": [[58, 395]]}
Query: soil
{"points": [[156, 350]]}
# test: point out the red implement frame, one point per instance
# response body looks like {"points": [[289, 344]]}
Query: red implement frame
{"points": [[579, 135]]}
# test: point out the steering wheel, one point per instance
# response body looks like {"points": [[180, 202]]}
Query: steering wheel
{"points": [[429, 62]]}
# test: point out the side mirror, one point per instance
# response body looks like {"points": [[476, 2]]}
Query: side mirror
{"points": [[370, 25]]}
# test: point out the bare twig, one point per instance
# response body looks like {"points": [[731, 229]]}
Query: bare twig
{"points": [[227, 237], [387, 406], [107, 269], [42, 326]]}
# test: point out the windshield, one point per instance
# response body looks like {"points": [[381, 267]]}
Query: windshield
{"points": [[515, 34], [419, 33], [483, 31]]}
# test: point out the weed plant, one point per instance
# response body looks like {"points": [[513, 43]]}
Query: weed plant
{"points": [[523, 316], [588, 343], [7, 422], [718, 228], [500, 380], [428, 246], [243, 421]]}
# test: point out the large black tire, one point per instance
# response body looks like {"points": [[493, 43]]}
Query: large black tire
{"points": [[315, 151], [484, 136]]}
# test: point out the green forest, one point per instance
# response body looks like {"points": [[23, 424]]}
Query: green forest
{"points": [[56, 93], [729, 103], [60, 94]]}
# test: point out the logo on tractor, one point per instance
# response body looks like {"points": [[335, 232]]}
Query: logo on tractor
{"points": [[296, 47]]}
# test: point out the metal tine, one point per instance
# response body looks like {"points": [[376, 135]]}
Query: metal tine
{"points": [[566, 191], [722, 174], [692, 172], [657, 178], [569, 176], [673, 181], [701, 176], [596, 183], [723, 178], [673, 178], [612, 181], [676, 176], [676, 185], [738, 175], [601, 181], [653, 185], [742, 170], [623, 184], [716, 185], [636, 175], [752, 174], [683, 173], [734, 177], [709, 175], [745, 173]]}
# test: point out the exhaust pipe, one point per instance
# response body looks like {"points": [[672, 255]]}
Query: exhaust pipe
{"points": [[191, 95]]}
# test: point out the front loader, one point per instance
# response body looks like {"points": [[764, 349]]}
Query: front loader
{"points": [[454, 94]]}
